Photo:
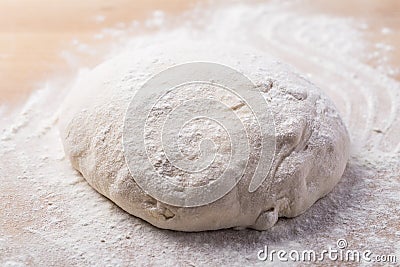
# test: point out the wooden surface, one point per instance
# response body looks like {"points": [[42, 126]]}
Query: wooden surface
{"points": [[33, 33], [378, 15]]}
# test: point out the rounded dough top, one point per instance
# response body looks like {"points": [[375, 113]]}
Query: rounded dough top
{"points": [[311, 149]]}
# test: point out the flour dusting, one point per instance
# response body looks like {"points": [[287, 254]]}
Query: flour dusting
{"points": [[50, 215]]}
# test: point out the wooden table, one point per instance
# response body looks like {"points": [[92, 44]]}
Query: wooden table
{"points": [[33, 32]]}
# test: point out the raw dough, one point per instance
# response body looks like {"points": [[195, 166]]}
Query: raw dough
{"points": [[312, 144]]}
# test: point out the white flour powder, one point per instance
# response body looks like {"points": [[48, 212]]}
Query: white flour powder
{"points": [[49, 215]]}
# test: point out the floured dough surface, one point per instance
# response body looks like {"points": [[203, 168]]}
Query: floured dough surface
{"points": [[312, 144]]}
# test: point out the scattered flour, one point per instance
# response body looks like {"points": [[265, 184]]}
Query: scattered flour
{"points": [[49, 214]]}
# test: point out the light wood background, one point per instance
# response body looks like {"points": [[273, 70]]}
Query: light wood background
{"points": [[33, 32]]}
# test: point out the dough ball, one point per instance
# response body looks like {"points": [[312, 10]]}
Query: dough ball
{"points": [[309, 157]]}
